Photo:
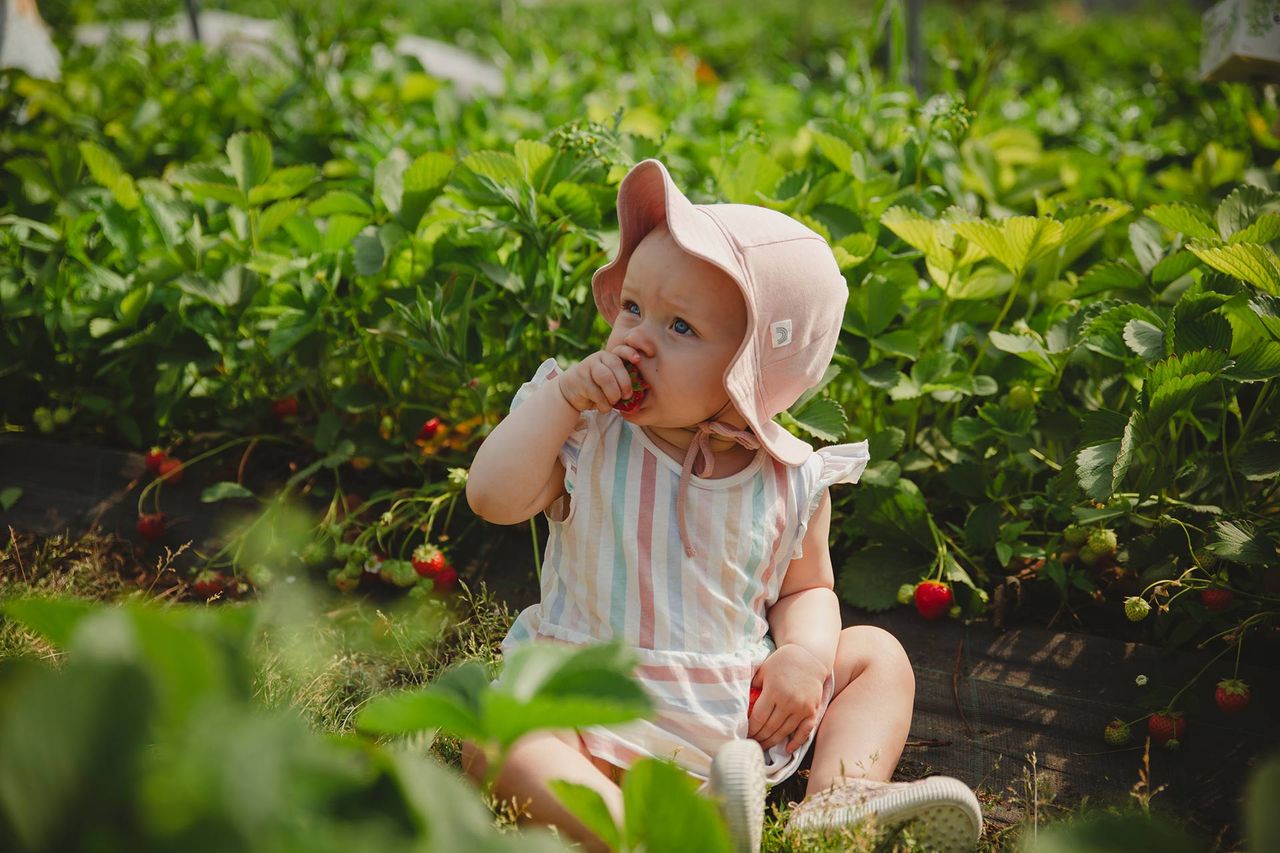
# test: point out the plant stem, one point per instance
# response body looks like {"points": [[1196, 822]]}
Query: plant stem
{"points": [[1004, 310]]}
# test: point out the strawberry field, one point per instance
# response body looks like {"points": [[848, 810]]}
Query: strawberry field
{"points": [[304, 284]]}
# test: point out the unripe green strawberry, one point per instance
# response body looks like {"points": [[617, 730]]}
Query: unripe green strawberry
{"points": [[906, 593], [1102, 540], [1136, 608], [1020, 396], [1075, 535], [398, 573], [1116, 733]]}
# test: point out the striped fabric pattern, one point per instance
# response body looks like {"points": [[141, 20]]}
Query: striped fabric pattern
{"points": [[615, 568]]}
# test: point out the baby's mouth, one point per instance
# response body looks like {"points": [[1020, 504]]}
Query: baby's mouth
{"points": [[639, 390]]}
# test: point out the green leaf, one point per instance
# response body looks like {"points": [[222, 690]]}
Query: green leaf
{"points": [[1015, 242], [1191, 221], [1260, 462], [1265, 229], [822, 418], [886, 442], [451, 703], [1094, 466], [1258, 363], [223, 491], [1237, 210], [586, 804], [1145, 339], [576, 203], [903, 342], [423, 181], [1249, 262], [275, 215], [1240, 542], [9, 497], [664, 813], [369, 254], [753, 176], [1025, 347], [340, 201], [103, 165], [499, 168], [1174, 266], [1109, 275], [342, 230], [932, 237], [1148, 248], [1175, 381], [388, 180], [283, 183], [55, 619], [1261, 817], [250, 155], [835, 149], [871, 576]]}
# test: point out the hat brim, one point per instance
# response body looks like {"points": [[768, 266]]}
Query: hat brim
{"points": [[647, 198]]}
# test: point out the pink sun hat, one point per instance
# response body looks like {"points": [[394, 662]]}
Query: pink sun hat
{"points": [[793, 288]]}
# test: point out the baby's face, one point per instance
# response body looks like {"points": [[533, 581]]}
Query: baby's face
{"points": [[687, 320]]}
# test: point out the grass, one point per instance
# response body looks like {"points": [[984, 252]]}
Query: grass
{"points": [[326, 656]]}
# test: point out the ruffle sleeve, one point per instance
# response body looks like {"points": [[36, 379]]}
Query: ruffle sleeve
{"points": [[572, 446], [839, 463]]}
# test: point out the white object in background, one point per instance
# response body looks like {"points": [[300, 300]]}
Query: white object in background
{"points": [[1241, 41], [470, 73], [25, 42]]}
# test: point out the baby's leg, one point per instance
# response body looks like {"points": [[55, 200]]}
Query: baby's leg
{"points": [[866, 724], [539, 757]]}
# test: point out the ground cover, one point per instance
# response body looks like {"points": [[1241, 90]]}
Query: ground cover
{"points": [[314, 287]]}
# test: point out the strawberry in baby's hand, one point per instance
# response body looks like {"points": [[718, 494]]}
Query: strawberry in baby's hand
{"points": [[638, 388], [751, 703]]}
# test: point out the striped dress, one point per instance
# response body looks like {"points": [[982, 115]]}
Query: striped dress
{"points": [[615, 569]]}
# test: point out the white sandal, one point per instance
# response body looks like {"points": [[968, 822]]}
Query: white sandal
{"points": [[737, 779], [945, 813]]}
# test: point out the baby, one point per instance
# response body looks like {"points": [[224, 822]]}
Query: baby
{"points": [[688, 523]]}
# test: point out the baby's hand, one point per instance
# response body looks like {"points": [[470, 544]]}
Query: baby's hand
{"points": [[791, 681], [599, 380]]}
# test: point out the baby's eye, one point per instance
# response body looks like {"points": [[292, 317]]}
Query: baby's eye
{"points": [[681, 327], [630, 307]]}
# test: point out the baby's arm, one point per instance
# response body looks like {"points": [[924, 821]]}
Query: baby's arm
{"points": [[517, 472], [805, 623]]}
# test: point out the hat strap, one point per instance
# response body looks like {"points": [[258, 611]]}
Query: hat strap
{"points": [[701, 446]]}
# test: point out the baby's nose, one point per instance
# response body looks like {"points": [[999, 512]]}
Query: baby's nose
{"points": [[639, 339]]}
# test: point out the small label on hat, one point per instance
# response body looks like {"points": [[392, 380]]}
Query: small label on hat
{"points": [[781, 333]]}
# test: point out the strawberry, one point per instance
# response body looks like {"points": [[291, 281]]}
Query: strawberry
{"points": [[154, 457], [445, 579], [751, 702], [638, 390], [208, 584], [1116, 733], [1099, 548], [285, 407], [1216, 599], [1136, 608], [171, 471], [933, 598], [428, 560], [398, 573], [429, 429], [1166, 727], [151, 526], [1232, 695], [1075, 535], [906, 593]]}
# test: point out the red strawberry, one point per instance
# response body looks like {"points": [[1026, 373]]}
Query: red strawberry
{"points": [[208, 584], [933, 598], [429, 429], [171, 471], [1216, 599], [285, 407], [1166, 727], [445, 579], [1232, 695], [154, 457], [638, 390], [151, 526], [751, 703], [428, 560]]}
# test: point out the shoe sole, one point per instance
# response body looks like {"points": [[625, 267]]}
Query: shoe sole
{"points": [[737, 778], [945, 812]]}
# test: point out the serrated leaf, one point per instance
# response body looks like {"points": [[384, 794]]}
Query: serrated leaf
{"points": [[1015, 242], [1237, 210], [822, 418], [103, 165], [576, 203], [1133, 433], [423, 181], [835, 149], [249, 153], [1174, 266], [1240, 542], [933, 238], [1260, 462], [1025, 347], [1094, 467], [497, 166], [1249, 262], [224, 490], [1145, 339], [532, 155], [886, 442], [1144, 238], [369, 255], [1258, 363], [275, 215], [340, 201], [388, 180], [871, 576], [1265, 229], [1205, 331], [1193, 222], [342, 229], [283, 183], [903, 342], [1109, 275]]}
